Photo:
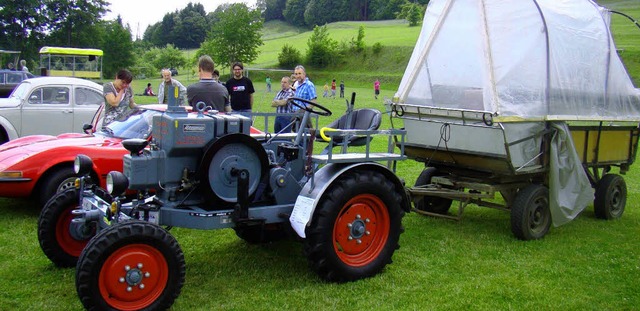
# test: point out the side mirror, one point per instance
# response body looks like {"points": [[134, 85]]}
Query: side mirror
{"points": [[87, 128]]}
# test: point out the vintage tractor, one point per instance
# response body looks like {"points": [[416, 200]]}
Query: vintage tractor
{"points": [[206, 171]]}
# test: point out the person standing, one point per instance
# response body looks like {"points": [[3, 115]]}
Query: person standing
{"points": [[325, 90], [164, 86], [23, 65], [208, 90], [240, 90], [341, 88], [268, 81], [280, 101], [376, 88], [10, 67], [333, 89], [118, 96], [305, 89]]}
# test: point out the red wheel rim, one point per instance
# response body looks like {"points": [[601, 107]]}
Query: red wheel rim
{"points": [[361, 230], [67, 242], [133, 277]]}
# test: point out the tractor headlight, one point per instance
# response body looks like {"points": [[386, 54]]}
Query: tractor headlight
{"points": [[82, 165], [117, 183]]}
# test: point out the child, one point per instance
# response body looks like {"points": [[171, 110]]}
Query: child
{"points": [[148, 91]]}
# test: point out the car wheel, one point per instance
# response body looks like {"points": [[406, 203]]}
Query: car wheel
{"points": [[54, 182], [3, 136]]}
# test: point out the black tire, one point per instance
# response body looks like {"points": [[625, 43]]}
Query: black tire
{"points": [[258, 234], [530, 213], [355, 227], [431, 204], [58, 180], [3, 136], [611, 197], [61, 241], [119, 258]]}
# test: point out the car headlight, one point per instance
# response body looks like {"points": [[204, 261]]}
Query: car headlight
{"points": [[82, 165], [117, 183]]}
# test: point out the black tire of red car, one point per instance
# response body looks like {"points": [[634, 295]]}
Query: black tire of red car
{"points": [[355, 227], [52, 182], [3, 136], [134, 265], [54, 235]]}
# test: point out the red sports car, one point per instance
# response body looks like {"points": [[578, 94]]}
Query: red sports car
{"points": [[40, 165]]}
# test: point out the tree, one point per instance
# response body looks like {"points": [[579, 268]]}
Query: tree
{"points": [[320, 12], [385, 9], [412, 12], [294, 12], [23, 25], [235, 36], [169, 57], [73, 22], [322, 51], [273, 9], [289, 57], [117, 47]]}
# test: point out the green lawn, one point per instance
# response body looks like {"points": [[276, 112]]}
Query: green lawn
{"points": [[473, 264]]}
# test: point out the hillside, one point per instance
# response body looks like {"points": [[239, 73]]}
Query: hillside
{"points": [[398, 39]]}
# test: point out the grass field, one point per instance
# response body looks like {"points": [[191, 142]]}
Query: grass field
{"points": [[473, 264]]}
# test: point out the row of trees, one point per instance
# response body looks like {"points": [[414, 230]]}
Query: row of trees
{"points": [[310, 13], [189, 27], [27, 25]]}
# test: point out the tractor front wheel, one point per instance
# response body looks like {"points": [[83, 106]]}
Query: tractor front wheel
{"points": [[60, 239], [133, 265], [355, 228]]}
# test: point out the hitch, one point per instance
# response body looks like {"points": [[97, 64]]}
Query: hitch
{"points": [[240, 213]]}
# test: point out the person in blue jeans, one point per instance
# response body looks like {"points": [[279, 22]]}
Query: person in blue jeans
{"points": [[280, 101]]}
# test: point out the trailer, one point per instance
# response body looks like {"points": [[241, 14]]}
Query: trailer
{"points": [[539, 114]]}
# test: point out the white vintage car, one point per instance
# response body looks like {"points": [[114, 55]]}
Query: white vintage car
{"points": [[48, 105]]}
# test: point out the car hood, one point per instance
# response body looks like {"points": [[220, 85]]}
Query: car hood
{"points": [[30, 145], [9, 102]]}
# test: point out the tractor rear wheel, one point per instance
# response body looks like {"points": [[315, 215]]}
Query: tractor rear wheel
{"points": [[611, 197], [431, 204], [355, 228], [530, 213], [133, 265], [60, 239]]}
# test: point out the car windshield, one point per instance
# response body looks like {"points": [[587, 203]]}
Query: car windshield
{"points": [[20, 92], [136, 123]]}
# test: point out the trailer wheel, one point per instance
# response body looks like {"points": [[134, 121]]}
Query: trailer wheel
{"points": [[431, 204], [130, 266], [355, 228], [60, 239], [259, 234], [530, 213], [611, 197]]}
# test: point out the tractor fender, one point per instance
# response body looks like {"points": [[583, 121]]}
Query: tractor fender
{"points": [[313, 190], [9, 128]]}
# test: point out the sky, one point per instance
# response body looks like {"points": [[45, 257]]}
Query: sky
{"points": [[141, 13]]}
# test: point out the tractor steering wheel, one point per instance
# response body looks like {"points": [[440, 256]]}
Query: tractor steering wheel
{"points": [[310, 105]]}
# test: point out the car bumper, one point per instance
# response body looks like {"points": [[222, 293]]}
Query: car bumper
{"points": [[15, 187]]}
